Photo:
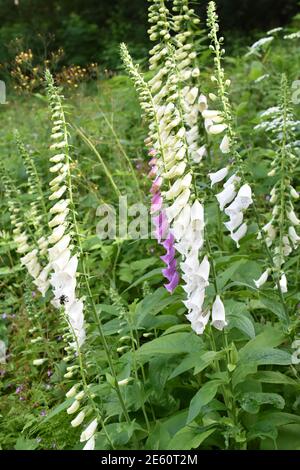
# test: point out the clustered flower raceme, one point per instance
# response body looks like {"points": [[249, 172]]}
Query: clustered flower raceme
{"points": [[172, 111], [30, 256], [176, 138], [88, 434], [280, 232], [185, 25], [62, 263], [236, 196]]}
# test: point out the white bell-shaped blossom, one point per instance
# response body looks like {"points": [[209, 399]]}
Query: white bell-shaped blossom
{"points": [[239, 234], [89, 431], [90, 445], [262, 279], [218, 176], [226, 196], [218, 319], [283, 284]]}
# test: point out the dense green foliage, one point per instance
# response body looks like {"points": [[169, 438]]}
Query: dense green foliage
{"points": [[92, 31]]}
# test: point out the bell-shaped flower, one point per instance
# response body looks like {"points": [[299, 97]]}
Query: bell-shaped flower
{"points": [[218, 314], [58, 194], [197, 212], [235, 221], [200, 323], [198, 154], [59, 247], [178, 205], [202, 101], [233, 179], [75, 314], [226, 196], [244, 197], [192, 95], [225, 144], [72, 392], [294, 237], [294, 193], [239, 234], [57, 234], [89, 431], [283, 284], [293, 218], [90, 445], [78, 420], [74, 407], [63, 287], [215, 129], [181, 222], [179, 186], [156, 203], [61, 261]]}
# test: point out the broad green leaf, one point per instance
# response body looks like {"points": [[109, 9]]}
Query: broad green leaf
{"points": [[270, 337], [177, 343], [273, 305], [287, 439], [189, 437], [265, 356], [154, 303], [238, 317], [251, 401], [194, 361], [227, 275], [273, 377]]}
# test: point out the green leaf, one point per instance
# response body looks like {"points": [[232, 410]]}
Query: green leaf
{"points": [[270, 336], [154, 303], [177, 343], [227, 275], [275, 307], [26, 444], [206, 393], [238, 317], [273, 377], [155, 273], [266, 356]]}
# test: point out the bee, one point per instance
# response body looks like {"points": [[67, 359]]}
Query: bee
{"points": [[63, 299]]}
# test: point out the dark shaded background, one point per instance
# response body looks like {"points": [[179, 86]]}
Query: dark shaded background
{"points": [[90, 30]]}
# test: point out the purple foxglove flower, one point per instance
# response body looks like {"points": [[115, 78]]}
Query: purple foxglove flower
{"points": [[169, 242], [152, 152], [168, 257], [152, 162], [169, 271], [162, 226], [156, 185], [156, 203]]}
